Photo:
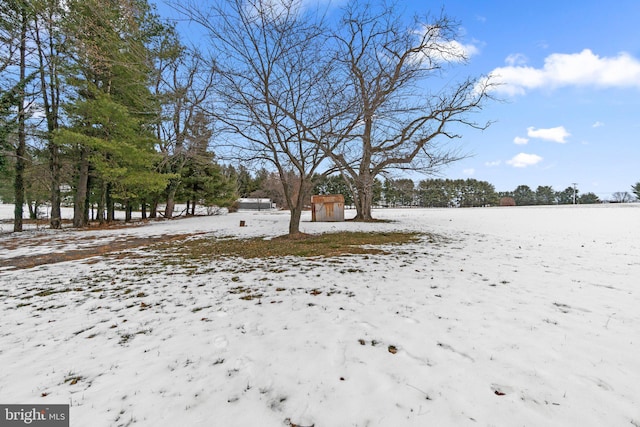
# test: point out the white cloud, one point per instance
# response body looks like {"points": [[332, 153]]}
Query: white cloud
{"points": [[516, 59], [442, 50], [597, 124], [560, 70], [542, 44], [493, 164], [522, 160], [458, 49], [520, 140], [469, 171], [558, 134]]}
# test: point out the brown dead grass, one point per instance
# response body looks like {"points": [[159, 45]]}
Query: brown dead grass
{"points": [[29, 261], [186, 246], [299, 245]]}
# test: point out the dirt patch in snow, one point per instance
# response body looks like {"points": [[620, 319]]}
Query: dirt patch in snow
{"points": [[118, 245]]}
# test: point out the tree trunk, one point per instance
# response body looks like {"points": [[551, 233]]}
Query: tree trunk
{"points": [[153, 214], [110, 205], [294, 221], [296, 205], [33, 206], [171, 198], [168, 211], [364, 197], [18, 185], [102, 203], [143, 210], [32, 209], [127, 211], [21, 161], [87, 202], [81, 190], [56, 199]]}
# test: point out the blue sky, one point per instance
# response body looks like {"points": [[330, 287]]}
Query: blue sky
{"points": [[571, 109], [570, 94]]}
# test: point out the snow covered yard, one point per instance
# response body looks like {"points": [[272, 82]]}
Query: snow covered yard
{"points": [[505, 316]]}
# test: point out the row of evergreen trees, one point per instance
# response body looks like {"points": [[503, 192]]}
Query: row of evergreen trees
{"points": [[546, 195], [100, 103], [390, 192], [457, 193], [405, 192]]}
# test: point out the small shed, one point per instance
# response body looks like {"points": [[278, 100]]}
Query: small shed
{"points": [[256, 204], [507, 201], [327, 208]]}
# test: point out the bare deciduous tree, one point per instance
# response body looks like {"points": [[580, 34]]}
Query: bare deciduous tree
{"points": [[621, 197], [403, 105], [49, 39], [271, 73], [183, 83]]}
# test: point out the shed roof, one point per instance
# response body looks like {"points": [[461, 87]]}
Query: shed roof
{"points": [[328, 198]]}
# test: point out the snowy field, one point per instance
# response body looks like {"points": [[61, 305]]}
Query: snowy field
{"points": [[506, 317]]}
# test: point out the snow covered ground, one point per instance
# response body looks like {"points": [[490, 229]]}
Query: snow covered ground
{"points": [[506, 317]]}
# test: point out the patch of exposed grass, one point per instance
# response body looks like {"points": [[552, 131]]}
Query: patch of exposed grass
{"points": [[124, 338], [72, 379], [303, 245], [47, 292]]}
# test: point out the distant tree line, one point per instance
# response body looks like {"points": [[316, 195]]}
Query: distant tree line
{"points": [[546, 195], [426, 193], [388, 193]]}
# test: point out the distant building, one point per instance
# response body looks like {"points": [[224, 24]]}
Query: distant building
{"points": [[257, 204], [507, 201]]}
